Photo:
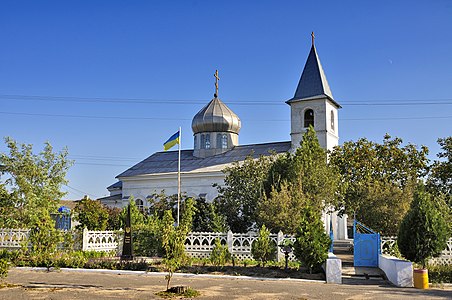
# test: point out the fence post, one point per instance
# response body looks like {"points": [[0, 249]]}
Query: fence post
{"points": [[230, 241], [279, 240], [85, 239]]}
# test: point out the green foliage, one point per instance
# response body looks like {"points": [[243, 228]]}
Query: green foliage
{"points": [[44, 237], [220, 254], [440, 177], [33, 182], [114, 218], [243, 189], [297, 180], [312, 243], [263, 249], [4, 267], [136, 216], [378, 180], [424, 231], [91, 214], [440, 273], [207, 217]]}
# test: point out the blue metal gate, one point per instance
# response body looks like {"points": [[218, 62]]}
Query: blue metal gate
{"points": [[366, 245]]}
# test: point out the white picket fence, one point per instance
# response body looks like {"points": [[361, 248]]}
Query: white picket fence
{"points": [[197, 244], [387, 242]]}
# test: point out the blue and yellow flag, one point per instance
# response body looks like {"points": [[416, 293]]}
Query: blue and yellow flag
{"points": [[173, 140]]}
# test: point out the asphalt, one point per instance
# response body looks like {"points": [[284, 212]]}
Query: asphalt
{"points": [[107, 284]]}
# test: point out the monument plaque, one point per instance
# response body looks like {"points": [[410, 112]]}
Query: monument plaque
{"points": [[127, 253]]}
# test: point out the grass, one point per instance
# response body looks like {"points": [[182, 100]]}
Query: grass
{"points": [[189, 293]]}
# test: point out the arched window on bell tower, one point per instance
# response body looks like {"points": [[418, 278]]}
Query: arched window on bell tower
{"points": [[308, 118], [332, 120]]}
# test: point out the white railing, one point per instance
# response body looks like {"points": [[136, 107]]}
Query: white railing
{"points": [[13, 238], [388, 242], [201, 244], [101, 240]]}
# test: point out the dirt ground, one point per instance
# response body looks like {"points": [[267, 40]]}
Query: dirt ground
{"points": [[94, 285]]}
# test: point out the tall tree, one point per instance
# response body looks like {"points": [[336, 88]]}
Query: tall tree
{"points": [[30, 182], [378, 179], [243, 189], [297, 180], [91, 214], [440, 177]]}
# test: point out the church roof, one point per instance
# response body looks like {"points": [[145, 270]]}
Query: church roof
{"points": [[313, 83], [166, 162], [216, 117]]}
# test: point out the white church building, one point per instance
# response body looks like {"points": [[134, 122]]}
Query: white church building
{"points": [[216, 145]]}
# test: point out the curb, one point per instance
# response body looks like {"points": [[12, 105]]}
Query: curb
{"points": [[163, 274]]}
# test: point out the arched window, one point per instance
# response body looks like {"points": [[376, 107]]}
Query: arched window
{"points": [[140, 205], [203, 141], [308, 118], [332, 119], [194, 143], [224, 141], [207, 141], [219, 141]]}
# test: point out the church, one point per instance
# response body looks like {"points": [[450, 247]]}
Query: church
{"points": [[216, 145]]}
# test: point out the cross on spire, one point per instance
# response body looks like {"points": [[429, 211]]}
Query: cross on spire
{"points": [[312, 38], [216, 83]]}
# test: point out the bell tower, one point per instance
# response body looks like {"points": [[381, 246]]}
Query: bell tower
{"points": [[313, 105]]}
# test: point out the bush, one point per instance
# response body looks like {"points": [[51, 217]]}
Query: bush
{"points": [[263, 249], [4, 266], [440, 273], [220, 254], [424, 231], [312, 243]]}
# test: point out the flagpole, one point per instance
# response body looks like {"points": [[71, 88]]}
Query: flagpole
{"points": [[178, 177]]}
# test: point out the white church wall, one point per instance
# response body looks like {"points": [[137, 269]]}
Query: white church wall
{"points": [[193, 184]]}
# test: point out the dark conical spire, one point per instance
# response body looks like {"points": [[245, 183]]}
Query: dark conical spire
{"points": [[313, 82]]}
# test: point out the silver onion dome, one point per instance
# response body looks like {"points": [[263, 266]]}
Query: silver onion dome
{"points": [[216, 117]]}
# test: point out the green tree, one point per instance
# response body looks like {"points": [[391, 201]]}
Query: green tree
{"points": [[137, 217], [30, 182], [243, 189], [424, 232], [378, 179], [114, 218], [312, 243], [220, 254], [263, 249], [207, 218], [294, 181], [440, 177], [91, 214]]}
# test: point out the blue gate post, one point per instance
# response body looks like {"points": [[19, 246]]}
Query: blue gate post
{"points": [[331, 234]]}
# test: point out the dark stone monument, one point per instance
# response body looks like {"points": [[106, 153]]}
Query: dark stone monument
{"points": [[127, 253]]}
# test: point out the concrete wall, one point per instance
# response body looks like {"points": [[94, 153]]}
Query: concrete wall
{"points": [[399, 272]]}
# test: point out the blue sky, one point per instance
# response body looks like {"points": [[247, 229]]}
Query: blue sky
{"points": [[112, 80]]}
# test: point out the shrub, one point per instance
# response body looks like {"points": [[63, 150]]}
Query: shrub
{"points": [[440, 273], [263, 249], [4, 266], [220, 254], [423, 232], [312, 243]]}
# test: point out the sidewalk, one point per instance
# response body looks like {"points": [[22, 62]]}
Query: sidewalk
{"points": [[81, 284]]}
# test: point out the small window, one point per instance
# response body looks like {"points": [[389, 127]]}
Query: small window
{"points": [[224, 141], [194, 143], [219, 141], [332, 120], [140, 205], [203, 141], [207, 141], [308, 118]]}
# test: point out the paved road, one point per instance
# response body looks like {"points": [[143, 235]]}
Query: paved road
{"points": [[90, 285]]}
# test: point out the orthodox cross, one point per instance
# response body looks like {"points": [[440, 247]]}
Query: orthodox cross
{"points": [[312, 37], [216, 82]]}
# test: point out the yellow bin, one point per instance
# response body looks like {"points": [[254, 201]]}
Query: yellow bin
{"points": [[420, 278]]}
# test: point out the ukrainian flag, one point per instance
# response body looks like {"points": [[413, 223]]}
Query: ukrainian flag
{"points": [[173, 140]]}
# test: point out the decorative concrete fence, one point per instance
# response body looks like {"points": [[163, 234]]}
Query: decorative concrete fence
{"points": [[13, 238], [101, 240], [388, 242], [201, 244]]}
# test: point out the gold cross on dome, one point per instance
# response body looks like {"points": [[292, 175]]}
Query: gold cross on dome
{"points": [[216, 82], [312, 37]]}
